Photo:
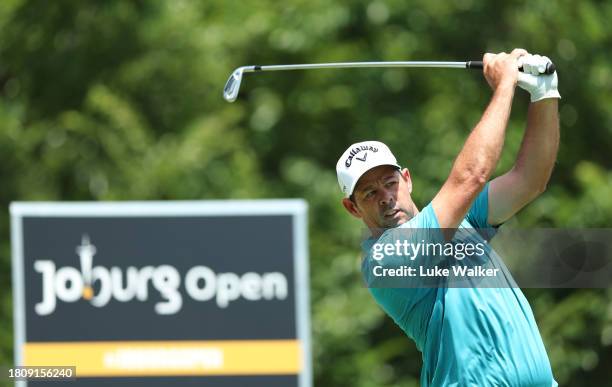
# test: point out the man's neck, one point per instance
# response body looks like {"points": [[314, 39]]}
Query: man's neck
{"points": [[377, 232]]}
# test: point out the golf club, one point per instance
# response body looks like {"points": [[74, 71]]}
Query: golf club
{"points": [[232, 87]]}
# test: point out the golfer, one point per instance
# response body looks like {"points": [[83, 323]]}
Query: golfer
{"points": [[468, 335]]}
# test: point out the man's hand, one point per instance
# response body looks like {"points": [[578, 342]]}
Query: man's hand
{"points": [[532, 79], [502, 69]]}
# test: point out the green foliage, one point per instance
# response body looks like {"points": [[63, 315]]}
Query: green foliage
{"points": [[121, 100]]}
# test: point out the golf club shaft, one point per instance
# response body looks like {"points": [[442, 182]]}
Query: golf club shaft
{"points": [[355, 65], [469, 65]]}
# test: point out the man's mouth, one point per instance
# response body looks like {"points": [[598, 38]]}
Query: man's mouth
{"points": [[391, 213]]}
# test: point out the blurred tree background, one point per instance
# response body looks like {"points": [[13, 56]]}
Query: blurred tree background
{"points": [[121, 100]]}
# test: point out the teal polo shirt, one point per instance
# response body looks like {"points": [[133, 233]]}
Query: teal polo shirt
{"points": [[469, 335]]}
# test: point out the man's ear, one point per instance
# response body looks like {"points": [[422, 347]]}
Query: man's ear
{"points": [[406, 176], [351, 207]]}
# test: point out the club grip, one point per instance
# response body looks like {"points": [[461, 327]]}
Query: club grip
{"points": [[477, 64]]}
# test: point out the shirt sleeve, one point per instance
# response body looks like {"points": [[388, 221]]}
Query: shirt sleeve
{"points": [[479, 212]]}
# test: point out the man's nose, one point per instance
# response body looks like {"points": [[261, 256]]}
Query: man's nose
{"points": [[386, 198]]}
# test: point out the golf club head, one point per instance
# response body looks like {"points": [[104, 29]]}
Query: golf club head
{"points": [[232, 87]]}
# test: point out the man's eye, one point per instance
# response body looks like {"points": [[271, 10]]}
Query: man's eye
{"points": [[369, 194], [391, 183]]}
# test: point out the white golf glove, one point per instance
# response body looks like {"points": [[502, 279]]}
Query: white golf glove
{"points": [[533, 79]]}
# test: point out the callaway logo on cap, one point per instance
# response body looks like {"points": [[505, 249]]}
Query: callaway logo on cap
{"points": [[360, 158]]}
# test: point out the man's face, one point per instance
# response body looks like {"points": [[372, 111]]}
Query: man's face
{"points": [[382, 198]]}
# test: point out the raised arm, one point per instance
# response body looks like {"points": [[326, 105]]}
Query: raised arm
{"points": [[481, 151], [536, 158], [528, 178]]}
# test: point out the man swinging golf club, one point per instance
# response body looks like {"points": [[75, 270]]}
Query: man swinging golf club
{"points": [[468, 335]]}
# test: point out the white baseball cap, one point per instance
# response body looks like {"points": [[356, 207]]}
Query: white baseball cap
{"points": [[359, 158]]}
